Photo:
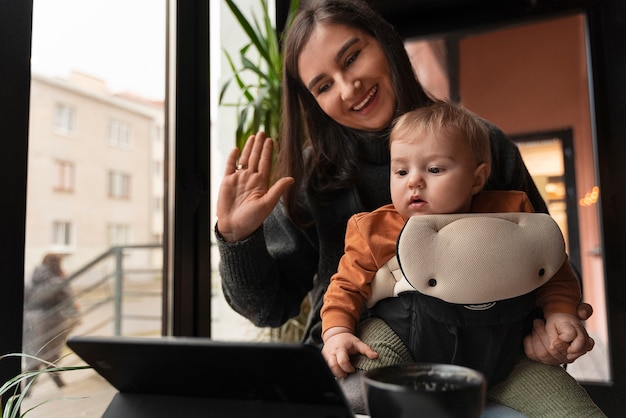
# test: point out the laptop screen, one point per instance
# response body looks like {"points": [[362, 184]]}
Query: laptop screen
{"points": [[276, 373]]}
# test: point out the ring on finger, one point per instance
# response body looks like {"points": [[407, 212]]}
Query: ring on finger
{"points": [[241, 167]]}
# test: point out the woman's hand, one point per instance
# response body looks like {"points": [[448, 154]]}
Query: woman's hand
{"points": [[539, 347], [245, 199]]}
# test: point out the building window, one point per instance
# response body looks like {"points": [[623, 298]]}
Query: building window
{"points": [[64, 176], [64, 118], [119, 185], [157, 203], [119, 133], [157, 134], [62, 234], [157, 168], [118, 234]]}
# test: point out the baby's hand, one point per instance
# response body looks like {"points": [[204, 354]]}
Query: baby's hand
{"points": [[339, 347], [567, 335]]}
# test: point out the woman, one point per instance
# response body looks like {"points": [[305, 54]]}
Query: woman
{"points": [[346, 76]]}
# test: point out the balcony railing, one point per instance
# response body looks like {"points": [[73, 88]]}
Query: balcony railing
{"points": [[119, 292]]}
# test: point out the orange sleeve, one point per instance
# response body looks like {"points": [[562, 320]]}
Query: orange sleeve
{"points": [[350, 286], [561, 293], [501, 201]]}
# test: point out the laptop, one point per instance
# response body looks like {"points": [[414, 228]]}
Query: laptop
{"points": [[200, 377]]}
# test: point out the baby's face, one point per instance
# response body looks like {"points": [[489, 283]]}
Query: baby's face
{"points": [[432, 174]]}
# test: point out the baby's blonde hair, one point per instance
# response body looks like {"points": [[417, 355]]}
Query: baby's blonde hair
{"points": [[448, 117]]}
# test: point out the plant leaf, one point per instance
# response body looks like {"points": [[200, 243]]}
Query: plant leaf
{"points": [[260, 99], [13, 385], [246, 26]]}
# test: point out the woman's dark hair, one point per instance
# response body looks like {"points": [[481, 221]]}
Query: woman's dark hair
{"points": [[332, 164]]}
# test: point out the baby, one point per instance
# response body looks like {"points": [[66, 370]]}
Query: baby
{"points": [[440, 161]]}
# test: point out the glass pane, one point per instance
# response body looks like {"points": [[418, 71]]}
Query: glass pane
{"points": [[225, 35], [96, 141], [533, 78], [544, 159]]}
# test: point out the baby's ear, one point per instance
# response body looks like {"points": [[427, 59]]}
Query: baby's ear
{"points": [[481, 174]]}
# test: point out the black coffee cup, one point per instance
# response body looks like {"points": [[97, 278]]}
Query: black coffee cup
{"points": [[424, 390]]}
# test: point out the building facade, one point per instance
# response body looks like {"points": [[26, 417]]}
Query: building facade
{"points": [[95, 170]]}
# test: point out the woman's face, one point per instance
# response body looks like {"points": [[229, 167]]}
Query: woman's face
{"points": [[347, 72]]}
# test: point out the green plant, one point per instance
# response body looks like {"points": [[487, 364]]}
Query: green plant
{"points": [[259, 105], [25, 381], [260, 75]]}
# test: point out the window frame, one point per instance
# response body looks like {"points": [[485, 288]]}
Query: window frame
{"points": [[119, 185], [186, 238], [65, 176], [119, 133], [64, 122], [63, 235], [15, 31], [118, 234]]}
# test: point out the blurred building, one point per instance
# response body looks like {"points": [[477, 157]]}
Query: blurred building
{"points": [[95, 170]]}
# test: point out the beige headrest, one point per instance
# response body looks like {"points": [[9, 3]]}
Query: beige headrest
{"points": [[479, 258]]}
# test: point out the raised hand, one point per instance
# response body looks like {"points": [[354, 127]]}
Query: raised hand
{"points": [[245, 197]]}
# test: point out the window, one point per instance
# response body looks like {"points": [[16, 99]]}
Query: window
{"points": [[95, 105], [119, 133], [62, 234], [64, 118], [157, 134], [157, 168], [64, 176], [119, 185], [157, 203], [118, 234]]}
